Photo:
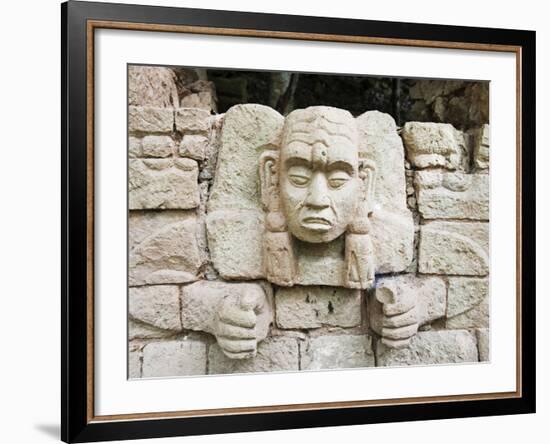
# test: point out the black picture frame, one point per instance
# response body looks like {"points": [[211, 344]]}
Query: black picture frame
{"points": [[77, 423]]}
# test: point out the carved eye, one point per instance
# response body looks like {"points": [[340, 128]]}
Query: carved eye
{"points": [[299, 176], [337, 179]]}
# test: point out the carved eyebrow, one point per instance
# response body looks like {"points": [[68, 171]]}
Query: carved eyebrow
{"points": [[341, 165], [297, 161]]}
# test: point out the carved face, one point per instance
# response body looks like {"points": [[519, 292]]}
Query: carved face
{"points": [[319, 183]]}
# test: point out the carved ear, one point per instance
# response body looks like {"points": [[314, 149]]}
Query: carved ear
{"points": [[268, 176], [367, 173]]}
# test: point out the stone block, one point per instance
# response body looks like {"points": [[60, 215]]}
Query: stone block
{"points": [[182, 357], [134, 363], [152, 86], [134, 147], [157, 146], [192, 120], [312, 307], [167, 254], [150, 119], [431, 347], [468, 303], [203, 100], [235, 243], [163, 184], [338, 352], [380, 142], [454, 248], [156, 305], [275, 354], [140, 330], [435, 145], [392, 222], [393, 240], [200, 303], [444, 195], [481, 149], [483, 344], [193, 146], [247, 131]]}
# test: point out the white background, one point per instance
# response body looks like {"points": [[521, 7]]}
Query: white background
{"points": [[29, 238]]}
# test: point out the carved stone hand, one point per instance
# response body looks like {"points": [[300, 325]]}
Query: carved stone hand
{"points": [[394, 316], [242, 320]]}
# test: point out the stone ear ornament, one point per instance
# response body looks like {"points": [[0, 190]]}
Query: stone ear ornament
{"points": [[359, 251], [278, 256]]}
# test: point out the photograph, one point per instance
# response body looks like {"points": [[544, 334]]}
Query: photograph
{"points": [[298, 221]]}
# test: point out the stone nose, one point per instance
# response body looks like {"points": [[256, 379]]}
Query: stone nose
{"points": [[317, 196]]}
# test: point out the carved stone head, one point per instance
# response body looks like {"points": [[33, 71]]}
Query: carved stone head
{"points": [[315, 188]]}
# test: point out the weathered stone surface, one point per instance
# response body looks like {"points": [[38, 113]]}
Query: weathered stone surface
{"points": [[311, 307], [465, 293], [192, 120], [392, 222], [234, 236], [393, 240], [235, 243], [203, 100], [247, 131], [140, 330], [134, 147], [156, 305], [431, 347], [150, 119], [134, 362], [454, 248], [163, 183], [468, 303], [338, 351], [483, 344], [157, 146], [481, 150], [152, 86], [194, 146], [200, 303], [182, 357], [442, 195], [435, 145], [379, 142], [428, 294], [200, 94], [274, 354], [163, 249]]}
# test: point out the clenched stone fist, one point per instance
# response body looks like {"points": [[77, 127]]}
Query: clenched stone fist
{"points": [[242, 320], [394, 316]]}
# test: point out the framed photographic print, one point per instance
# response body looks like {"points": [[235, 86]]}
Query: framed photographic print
{"points": [[275, 221]]}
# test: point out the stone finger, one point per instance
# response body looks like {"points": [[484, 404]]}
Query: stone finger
{"points": [[243, 355], [235, 332], [399, 333], [251, 300], [237, 345], [399, 343], [398, 307], [400, 320], [234, 315]]}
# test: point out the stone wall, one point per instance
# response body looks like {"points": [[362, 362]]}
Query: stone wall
{"points": [[190, 246]]}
